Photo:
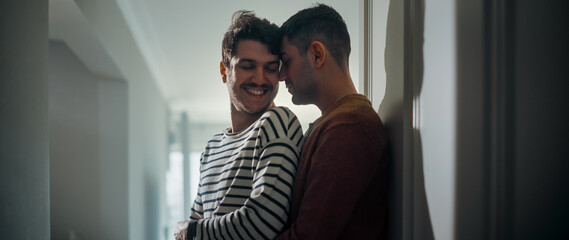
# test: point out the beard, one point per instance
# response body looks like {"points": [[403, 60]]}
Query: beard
{"points": [[301, 98], [304, 90], [239, 102]]}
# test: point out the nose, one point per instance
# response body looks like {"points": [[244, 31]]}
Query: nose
{"points": [[260, 76], [282, 74]]}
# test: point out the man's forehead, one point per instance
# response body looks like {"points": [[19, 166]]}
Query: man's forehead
{"points": [[268, 58], [253, 51], [256, 59], [286, 48]]}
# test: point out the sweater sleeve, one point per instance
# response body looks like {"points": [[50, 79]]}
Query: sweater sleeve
{"points": [[342, 167], [265, 211], [196, 212]]}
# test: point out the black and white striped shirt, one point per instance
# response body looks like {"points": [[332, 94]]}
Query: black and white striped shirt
{"points": [[246, 179]]}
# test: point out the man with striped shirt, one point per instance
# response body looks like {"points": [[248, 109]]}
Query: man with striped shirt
{"points": [[247, 171]]}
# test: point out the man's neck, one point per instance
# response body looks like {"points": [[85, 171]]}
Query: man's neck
{"points": [[335, 83], [240, 123], [334, 92], [241, 120]]}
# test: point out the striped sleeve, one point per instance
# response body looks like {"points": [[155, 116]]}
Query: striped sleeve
{"points": [[197, 209], [265, 211], [196, 212]]}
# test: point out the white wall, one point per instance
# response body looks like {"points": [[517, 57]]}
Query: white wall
{"points": [[24, 139], [147, 160], [113, 145], [418, 111], [147, 121], [87, 150], [378, 32], [394, 115], [74, 146], [436, 115]]}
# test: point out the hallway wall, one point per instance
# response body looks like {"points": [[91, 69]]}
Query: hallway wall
{"points": [[113, 145], [24, 149], [475, 106], [435, 123], [108, 151], [147, 120], [147, 160], [511, 123], [539, 114], [88, 150]]}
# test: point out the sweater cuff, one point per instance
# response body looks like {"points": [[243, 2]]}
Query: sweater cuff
{"points": [[191, 233]]}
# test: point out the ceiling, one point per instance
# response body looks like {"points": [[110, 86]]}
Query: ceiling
{"points": [[180, 42]]}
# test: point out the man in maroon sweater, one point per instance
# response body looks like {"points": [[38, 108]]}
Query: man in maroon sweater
{"points": [[340, 190]]}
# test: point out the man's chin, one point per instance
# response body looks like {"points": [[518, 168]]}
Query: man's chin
{"points": [[258, 111], [299, 101]]}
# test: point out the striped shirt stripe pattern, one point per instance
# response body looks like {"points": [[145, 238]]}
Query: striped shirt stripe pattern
{"points": [[246, 179]]}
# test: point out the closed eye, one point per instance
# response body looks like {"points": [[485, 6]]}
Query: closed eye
{"points": [[247, 66], [272, 67]]}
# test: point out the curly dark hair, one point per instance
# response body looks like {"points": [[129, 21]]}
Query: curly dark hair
{"points": [[319, 23], [246, 26]]}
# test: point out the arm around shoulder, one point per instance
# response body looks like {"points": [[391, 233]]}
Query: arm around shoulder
{"points": [[343, 166]]}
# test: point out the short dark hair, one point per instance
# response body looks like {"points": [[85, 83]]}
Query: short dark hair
{"points": [[319, 23], [246, 26]]}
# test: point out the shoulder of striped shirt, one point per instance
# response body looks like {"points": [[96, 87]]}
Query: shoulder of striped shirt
{"points": [[281, 110], [283, 113], [276, 113], [284, 120]]}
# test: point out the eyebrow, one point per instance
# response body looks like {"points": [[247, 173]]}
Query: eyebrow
{"points": [[248, 60]]}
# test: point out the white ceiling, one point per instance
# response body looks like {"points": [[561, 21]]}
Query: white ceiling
{"points": [[180, 41]]}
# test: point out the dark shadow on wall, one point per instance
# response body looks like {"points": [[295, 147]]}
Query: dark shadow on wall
{"points": [[422, 226], [409, 210]]}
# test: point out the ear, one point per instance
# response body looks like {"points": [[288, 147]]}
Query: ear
{"points": [[222, 71], [318, 54]]}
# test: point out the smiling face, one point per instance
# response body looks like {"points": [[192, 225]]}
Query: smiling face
{"points": [[251, 77], [297, 74]]}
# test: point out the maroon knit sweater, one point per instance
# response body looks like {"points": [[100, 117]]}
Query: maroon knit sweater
{"points": [[340, 189]]}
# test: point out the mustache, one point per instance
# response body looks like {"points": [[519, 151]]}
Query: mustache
{"points": [[254, 85]]}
